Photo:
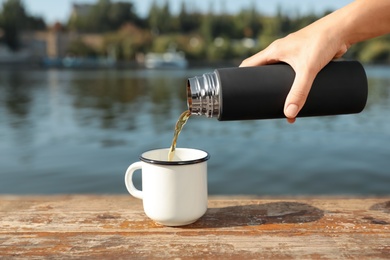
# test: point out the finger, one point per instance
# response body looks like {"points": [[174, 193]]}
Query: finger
{"points": [[266, 56], [298, 94], [255, 60], [291, 120]]}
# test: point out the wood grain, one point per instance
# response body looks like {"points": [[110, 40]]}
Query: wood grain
{"points": [[115, 227]]}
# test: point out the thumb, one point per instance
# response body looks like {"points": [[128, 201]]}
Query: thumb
{"points": [[298, 94]]}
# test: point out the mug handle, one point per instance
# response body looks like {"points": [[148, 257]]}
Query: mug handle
{"points": [[129, 180]]}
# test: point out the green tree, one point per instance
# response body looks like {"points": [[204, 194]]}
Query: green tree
{"points": [[188, 21], [221, 26], [97, 20], [160, 19], [376, 50], [14, 19], [248, 23], [120, 13], [79, 48], [105, 16], [205, 27], [127, 42]]}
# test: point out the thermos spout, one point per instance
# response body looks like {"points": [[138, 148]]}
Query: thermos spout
{"points": [[203, 95]]}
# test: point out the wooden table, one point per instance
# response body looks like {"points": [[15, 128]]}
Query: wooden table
{"points": [[115, 227]]}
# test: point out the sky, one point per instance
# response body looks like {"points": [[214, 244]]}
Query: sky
{"points": [[59, 10]]}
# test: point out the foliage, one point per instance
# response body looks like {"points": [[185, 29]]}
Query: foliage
{"points": [[79, 48], [104, 16], [201, 36], [127, 42], [13, 19], [378, 50]]}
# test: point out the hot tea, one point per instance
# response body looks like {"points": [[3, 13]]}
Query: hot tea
{"points": [[178, 127]]}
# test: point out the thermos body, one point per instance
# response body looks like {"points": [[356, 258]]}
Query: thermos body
{"points": [[260, 92]]}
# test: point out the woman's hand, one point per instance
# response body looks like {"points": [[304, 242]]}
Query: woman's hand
{"points": [[308, 50]]}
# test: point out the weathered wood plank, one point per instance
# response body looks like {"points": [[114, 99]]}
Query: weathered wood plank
{"points": [[81, 226]]}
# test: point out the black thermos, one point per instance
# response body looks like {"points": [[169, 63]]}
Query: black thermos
{"points": [[260, 92]]}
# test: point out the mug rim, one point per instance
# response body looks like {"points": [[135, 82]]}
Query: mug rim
{"points": [[187, 162]]}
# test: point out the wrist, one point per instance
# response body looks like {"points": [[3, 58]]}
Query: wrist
{"points": [[363, 19]]}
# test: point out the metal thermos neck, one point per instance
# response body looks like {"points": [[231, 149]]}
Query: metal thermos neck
{"points": [[203, 95]]}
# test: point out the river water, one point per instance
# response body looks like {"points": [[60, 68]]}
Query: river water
{"points": [[70, 131]]}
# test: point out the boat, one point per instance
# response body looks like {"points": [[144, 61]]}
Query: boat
{"points": [[79, 62], [8, 57], [170, 59]]}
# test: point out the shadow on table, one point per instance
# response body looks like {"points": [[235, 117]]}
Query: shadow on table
{"points": [[259, 214], [383, 206]]}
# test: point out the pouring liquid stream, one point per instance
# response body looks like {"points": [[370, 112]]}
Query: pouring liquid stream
{"points": [[178, 127]]}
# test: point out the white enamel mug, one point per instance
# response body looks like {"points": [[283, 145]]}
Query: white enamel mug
{"points": [[174, 193]]}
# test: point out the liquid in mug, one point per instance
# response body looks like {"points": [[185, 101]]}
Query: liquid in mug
{"points": [[178, 127]]}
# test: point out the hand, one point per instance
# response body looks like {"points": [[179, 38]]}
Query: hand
{"points": [[307, 51]]}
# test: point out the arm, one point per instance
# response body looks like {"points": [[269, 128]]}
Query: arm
{"points": [[308, 50]]}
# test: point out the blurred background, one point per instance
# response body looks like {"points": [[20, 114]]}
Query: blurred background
{"points": [[87, 86]]}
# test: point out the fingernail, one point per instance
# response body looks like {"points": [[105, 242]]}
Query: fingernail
{"points": [[292, 111]]}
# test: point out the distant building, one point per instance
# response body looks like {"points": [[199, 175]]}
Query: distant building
{"points": [[58, 41], [55, 41]]}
